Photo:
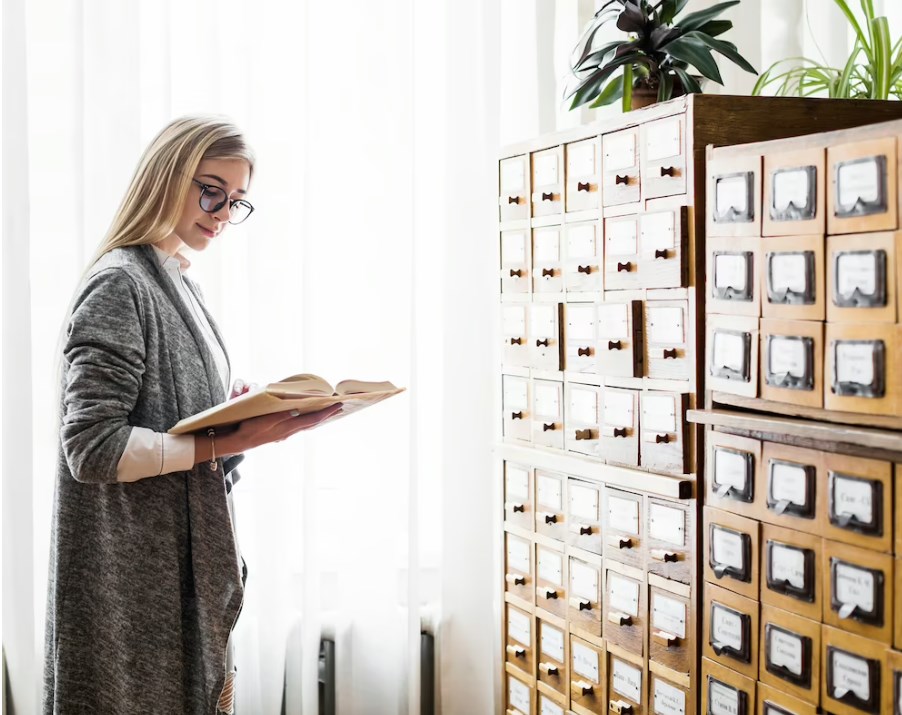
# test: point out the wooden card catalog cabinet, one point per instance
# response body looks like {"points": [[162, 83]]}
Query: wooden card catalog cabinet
{"points": [[663, 431], [516, 262], [794, 196], [583, 257], [518, 490], [858, 588], [855, 678], [519, 646], [583, 418], [663, 236], [792, 364], [587, 677], [731, 630], [625, 608], [862, 194], [731, 551], [553, 664], [732, 468], [793, 278], [583, 171], [860, 373], [733, 271], [545, 336], [514, 329], [622, 530], [513, 194], [518, 571], [790, 653], [547, 263], [550, 496], [620, 164], [725, 692], [669, 698], [515, 399], [547, 182], [551, 580], [734, 196], [548, 413], [664, 157], [619, 438], [791, 565], [670, 539], [586, 585], [671, 624], [620, 350], [584, 515], [859, 502], [861, 277], [732, 360], [626, 682], [621, 253], [580, 338], [774, 701], [792, 481], [668, 340]]}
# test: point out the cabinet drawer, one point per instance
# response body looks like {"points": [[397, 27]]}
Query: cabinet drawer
{"points": [[515, 335], [793, 481], [669, 698], [733, 272], [580, 337], [790, 653], [663, 244], [670, 354], [862, 278], [734, 196], [582, 417], [621, 253], [552, 645], [860, 373], [516, 400], [793, 277], [584, 610], [551, 580], [731, 630], [518, 500], [518, 568], [513, 189], [855, 674], [519, 693], [732, 360], [670, 538], [773, 701], [547, 181], [862, 190], [664, 156], [583, 257], [858, 591], [619, 438], [519, 641], [792, 362], [672, 626], [584, 515], [583, 172], [733, 465], [547, 261], [588, 686], [731, 551], [627, 682], [516, 262], [551, 493], [791, 564], [724, 691], [623, 533], [620, 349], [545, 322], [625, 607], [663, 431], [548, 413], [794, 196], [550, 705], [620, 164], [859, 501]]}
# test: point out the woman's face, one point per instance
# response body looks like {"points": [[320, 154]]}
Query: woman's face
{"points": [[197, 228]]}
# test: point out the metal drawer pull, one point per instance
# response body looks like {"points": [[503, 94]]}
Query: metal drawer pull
{"points": [[513, 200], [515, 579], [584, 269], [661, 253], [548, 427], [662, 439], [516, 415], [624, 267], [516, 273], [583, 434], [547, 272], [620, 431], [620, 619], [621, 179], [670, 353], [516, 651], [668, 557], [668, 171], [580, 186], [582, 687], [547, 197], [516, 341], [615, 345], [542, 343], [548, 668], [584, 352]]}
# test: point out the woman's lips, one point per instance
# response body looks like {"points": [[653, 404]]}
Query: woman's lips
{"points": [[207, 232]]}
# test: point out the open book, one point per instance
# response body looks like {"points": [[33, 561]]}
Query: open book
{"points": [[304, 393]]}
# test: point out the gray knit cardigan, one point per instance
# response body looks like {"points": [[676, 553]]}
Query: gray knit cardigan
{"points": [[145, 584]]}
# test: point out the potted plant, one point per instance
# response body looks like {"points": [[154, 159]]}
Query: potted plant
{"points": [[658, 59], [873, 69]]}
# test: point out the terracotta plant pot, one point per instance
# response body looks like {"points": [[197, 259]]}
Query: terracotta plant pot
{"points": [[644, 95]]}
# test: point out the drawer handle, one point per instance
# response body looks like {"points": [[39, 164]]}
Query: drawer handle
{"points": [[547, 197], [548, 517], [581, 604], [620, 431], [580, 186], [548, 668], [618, 179], [584, 530], [620, 542], [584, 269], [548, 427], [516, 415], [582, 687], [547, 593], [517, 507], [620, 619], [516, 341], [661, 253], [620, 707], [542, 343], [515, 579], [584, 352], [668, 171], [668, 557], [516, 273], [547, 272], [662, 439], [665, 639], [615, 345], [670, 353], [624, 267], [516, 651], [513, 200], [583, 434]]}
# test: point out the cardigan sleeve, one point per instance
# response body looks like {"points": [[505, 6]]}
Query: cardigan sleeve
{"points": [[104, 355]]}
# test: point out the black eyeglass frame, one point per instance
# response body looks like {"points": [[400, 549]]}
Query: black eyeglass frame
{"points": [[208, 188]]}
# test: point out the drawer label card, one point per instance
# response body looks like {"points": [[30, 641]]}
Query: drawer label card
{"points": [[546, 246], [857, 271], [513, 175], [546, 169], [731, 469], [860, 180], [789, 483], [516, 482], [621, 237], [668, 700], [659, 413], [623, 594], [626, 679], [581, 159], [784, 650], [855, 587], [853, 497], [548, 492], [850, 674], [518, 626], [667, 524], [790, 361], [585, 661], [551, 567], [731, 270], [580, 322], [584, 406], [657, 231], [518, 555], [728, 548], [730, 353], [544, 320], [581, 241], [619, 151], [618, 408], [727, 628], [549, 707], [613, 320], [547, 398], [788, 274], [668, 615], [552, 643], [513, 318], [731, 195], [518, 694], [723, 699], [515, 393], [623, 515], [583, 580], [855, 364], [665, 325], [793, 186], [787, 563], [662, 140], [583, 501], [513, 248]]}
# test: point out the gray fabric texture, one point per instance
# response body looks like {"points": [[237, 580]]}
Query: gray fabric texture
{"points": [[145, 582]]}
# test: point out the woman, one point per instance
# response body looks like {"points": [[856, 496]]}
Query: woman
{"points": [[145, 579]]}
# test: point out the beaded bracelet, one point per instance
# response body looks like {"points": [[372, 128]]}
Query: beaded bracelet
{"points": [[214, 465]]}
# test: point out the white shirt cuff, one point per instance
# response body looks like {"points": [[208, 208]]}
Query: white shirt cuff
{"points": [[150, 454]]}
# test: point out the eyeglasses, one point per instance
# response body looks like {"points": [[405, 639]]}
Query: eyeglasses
{"points": [[212, 198]]}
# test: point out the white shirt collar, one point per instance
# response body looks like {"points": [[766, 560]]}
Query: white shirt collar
{"points": [[177, 263]]}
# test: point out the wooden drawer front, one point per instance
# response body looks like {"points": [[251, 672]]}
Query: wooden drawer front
{"points": [[551, 580], [732, 466], [519, 642], [670, 538], [515, 405], [859, 501], [625, 607], [548, 413], [794, 196], [731, 630], [551, 493], [587, 676], [547, 181], [621, 253], [583, 172], [664, 157], [620, 166], [773, 701], [626, 683], [518, 491], [620, 350], [519, 695], [663, 237], [860, 372], [725, 692], [731, 552], [792, 486], [583, 257], [580, 336], [894, 672], [549, 706], [513, 194], [516, 261], [732, 361], [734, 197], [669, 698], [585, 595], [671, 624], [670, 353], [793, 286], [622, 528], [790, 653], [552, 657], [619, 439], [514, 328], [518, 568], [545, 336], [662, 430], [855, 676], [862, 194], [584, 515], [791, 564], [858, 591], [547, 261], [582, 416], [861, 278], [733, 276], [792, 362]]}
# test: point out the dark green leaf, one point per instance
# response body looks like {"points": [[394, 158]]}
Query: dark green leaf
{"points": [[695, 20], [587, 41], [727, 49], [670, 9], [714, 28], [588, 89], [690, 84], [665, 86], [632, 19], [661, 35], [598, 57], [694, 52], [611, 93]]}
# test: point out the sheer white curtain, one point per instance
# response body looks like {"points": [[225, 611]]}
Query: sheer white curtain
{"points": [[370, 256]]}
